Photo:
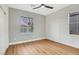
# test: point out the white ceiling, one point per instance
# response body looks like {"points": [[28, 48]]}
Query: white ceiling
{"points": [[42, 11]]}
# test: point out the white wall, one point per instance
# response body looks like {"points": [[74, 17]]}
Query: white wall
{"points": [[14, 26], [57, 26], [4, 41]]}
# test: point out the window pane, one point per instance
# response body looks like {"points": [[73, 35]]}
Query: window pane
{"points": [[73, 28], [77, 28], [73, 19]]}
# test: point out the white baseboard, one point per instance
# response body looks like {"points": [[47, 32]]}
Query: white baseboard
{"points": [[6, 49], [13, 43], [30, 40], [65, 44], [2, 52]]}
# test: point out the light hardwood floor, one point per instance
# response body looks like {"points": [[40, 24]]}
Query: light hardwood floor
{"points": [[41, 47]]}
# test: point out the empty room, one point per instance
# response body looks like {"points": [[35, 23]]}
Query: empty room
{"points": [[39, 29]]}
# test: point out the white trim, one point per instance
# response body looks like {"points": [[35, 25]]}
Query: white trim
{"points": [[6, 49], [65, 44], [30, 40], [2, 52], [13, 43]]}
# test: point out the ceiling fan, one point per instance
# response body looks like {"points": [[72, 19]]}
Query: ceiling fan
{"points": [[43, 5]]}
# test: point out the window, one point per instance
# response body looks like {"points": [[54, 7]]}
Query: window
{"points": [[74, 23], [26, 24]]}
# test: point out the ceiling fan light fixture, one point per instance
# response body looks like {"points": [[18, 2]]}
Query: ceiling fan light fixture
{"points": [[42, 6]]}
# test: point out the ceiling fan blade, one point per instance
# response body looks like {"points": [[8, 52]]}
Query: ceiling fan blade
{"points": [[48, 7], [37, 7]]}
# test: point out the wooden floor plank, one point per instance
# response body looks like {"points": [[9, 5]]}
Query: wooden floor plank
{"points": [[41, 47]]}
